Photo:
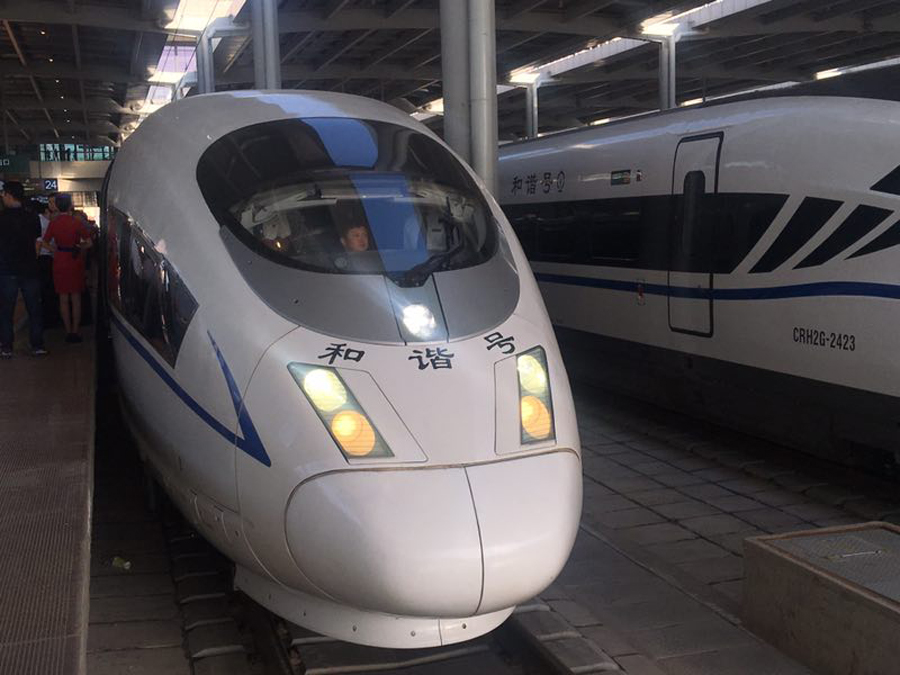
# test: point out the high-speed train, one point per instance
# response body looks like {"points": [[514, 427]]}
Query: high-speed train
{"points": [[737, 261], [335, 358]]}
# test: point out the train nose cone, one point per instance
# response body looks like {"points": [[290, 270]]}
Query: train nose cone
{"points": [[448, 542], [394, 541], [528, 514]]}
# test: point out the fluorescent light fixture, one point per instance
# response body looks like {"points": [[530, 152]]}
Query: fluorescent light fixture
{"points": [[195, 15], [165, 77], [525, 77], [597, 123], [435, 107], [691, 101], [662, 29], [831, 72]]}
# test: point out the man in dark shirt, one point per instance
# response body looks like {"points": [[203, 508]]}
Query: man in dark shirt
{"points": [[19, 231]]}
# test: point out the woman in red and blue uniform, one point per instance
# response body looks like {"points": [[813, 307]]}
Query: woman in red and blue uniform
{"points": [[71, 238]]}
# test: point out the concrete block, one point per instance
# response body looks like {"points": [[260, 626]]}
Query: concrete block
{"points": [[134, 635], [729, 568], [710, 526], [706, 635], [735, 504], [778, 497], [828, 597], [770, 519], [192, 589], [147, 608], [677, 478], [131, 585], [658, 497], [578, 655], [214, 640], [687, 508], [224, 664], [609, 641], [543, 626], [171, 661], [574, 613], [635, 664], [625, 518], [210, 610], [657, 533], [685, 551]]}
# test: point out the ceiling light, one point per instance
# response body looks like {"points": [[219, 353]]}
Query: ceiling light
{"points": [[691, 101], [662, 29], [597, 123], [50, 59]]}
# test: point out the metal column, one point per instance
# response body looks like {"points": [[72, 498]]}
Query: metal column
{"points": [[266, 46], [483, 69], [205, 76], [455, 72], [667, 73], [531, 109]]}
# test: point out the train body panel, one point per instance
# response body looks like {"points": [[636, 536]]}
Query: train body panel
{"points": [[338, 420], [757, 233]]}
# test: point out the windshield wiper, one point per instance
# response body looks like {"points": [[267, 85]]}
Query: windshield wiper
{"points": [[418, 274]]}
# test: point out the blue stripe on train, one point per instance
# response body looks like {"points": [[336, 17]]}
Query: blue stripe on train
{"points": [[817, 289], [250, 443]]}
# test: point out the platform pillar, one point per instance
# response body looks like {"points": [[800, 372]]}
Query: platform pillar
{"points": [[531, 110], [483, 99], [266, 46], [455, 73], [667, 73], [205, 75]]}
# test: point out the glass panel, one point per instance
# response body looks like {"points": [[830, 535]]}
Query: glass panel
{"points": [[343, 195]]}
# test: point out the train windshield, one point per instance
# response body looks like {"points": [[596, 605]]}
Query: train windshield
{"points": [[348, 196]]}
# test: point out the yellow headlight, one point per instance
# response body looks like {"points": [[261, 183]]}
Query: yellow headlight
{"points": [[324, 389], [536, 419], [532, 375], [353, 431]]}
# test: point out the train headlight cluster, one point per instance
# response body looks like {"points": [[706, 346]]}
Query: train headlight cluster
{"points": [[339, 411], [535, 402]]}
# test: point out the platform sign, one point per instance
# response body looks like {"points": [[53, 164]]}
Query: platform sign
{"points": [[15, 164], [51, 184]]}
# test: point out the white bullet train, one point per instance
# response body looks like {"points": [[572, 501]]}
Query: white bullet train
{"points": [[737, 261], [334, 356]]}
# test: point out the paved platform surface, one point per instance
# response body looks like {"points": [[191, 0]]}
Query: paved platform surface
{"points": [[46, 450], [655, 579]]}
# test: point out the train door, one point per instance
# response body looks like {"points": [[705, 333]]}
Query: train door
{"points": [[691, 237]]}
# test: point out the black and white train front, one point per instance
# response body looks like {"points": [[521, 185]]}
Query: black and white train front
{"points": [[335, 358]]}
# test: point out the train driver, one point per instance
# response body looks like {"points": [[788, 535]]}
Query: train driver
{"points": [[355, 237]]}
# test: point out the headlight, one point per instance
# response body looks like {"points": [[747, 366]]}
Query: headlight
{"points": [[339, 411], [535, 401]]}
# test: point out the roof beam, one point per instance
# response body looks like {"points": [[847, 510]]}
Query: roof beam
{"points": [[420, 19], [333, 8], [62, 70], [396, 7], [76, 44], [47, 12], [522, 7], [12, 118], [340, 50], [577, 11], [21, 56], [102, 105], [293, 72], [746, 26]]}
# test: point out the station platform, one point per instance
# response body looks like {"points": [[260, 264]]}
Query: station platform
{"points": [[654, 584], [46, 454]]}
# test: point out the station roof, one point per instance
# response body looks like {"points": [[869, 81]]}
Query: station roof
{"points": [[85, 70]]}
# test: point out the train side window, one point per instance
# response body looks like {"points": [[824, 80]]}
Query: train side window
{"points": [[615, 231], [150, 294], [556, 232], [524, 222], [694, 190]]}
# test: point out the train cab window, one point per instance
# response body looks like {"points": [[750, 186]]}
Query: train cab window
{"points": [[347, 196], [145, 289]]}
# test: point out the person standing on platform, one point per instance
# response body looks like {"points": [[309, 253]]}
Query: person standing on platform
{"points": [[71, 238], [19, 229], [45, 270]]}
